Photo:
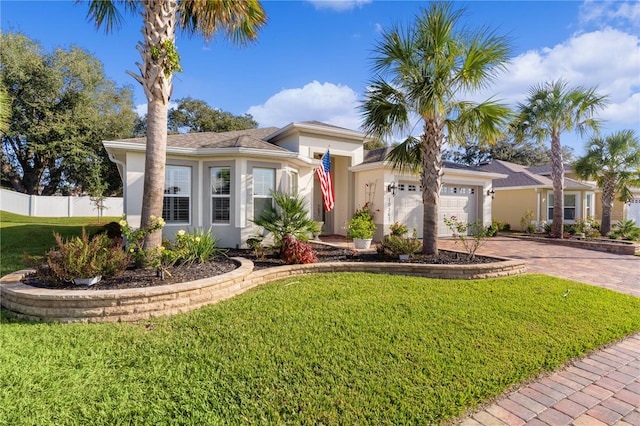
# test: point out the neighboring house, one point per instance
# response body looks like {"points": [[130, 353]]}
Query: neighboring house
{"points": [[531, 188], [223, 180]]}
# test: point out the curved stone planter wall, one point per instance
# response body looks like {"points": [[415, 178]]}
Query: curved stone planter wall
{"points": [[141, 303], [607, 246]]}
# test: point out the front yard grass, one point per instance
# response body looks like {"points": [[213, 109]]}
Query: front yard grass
{"points": [[339, 348]]}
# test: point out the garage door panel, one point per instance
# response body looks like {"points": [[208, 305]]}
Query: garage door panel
{"points": [[456, 201]]}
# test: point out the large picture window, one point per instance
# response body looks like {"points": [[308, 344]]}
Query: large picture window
{"points": [[264, 181], [176, 206], [569, 206], [220, 195]]}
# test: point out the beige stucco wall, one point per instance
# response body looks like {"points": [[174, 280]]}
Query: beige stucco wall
{"points": [[511, 205]]}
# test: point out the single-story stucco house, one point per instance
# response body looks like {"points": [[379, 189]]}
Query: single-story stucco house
{"points": [[223, 181], [531, 188]]}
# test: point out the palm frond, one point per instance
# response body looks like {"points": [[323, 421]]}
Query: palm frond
{"points": [[239, 21], [406, 156], [106, 13]]}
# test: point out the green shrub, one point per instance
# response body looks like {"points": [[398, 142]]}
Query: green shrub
{"points": [[626, 230], [396, 245], [288, 217], [589, 227], [82, 257], [526, 224], [196, 246], [471, 235]]}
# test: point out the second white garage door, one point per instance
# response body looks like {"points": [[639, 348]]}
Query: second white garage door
{"points": [[455, 200]]}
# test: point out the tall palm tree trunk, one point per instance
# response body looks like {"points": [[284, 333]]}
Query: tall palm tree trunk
{"points": [[608, 195], [431, 180], [557, 174], [159, 30], [154, 169]]}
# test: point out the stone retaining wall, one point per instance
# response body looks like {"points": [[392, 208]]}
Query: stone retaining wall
{"points": [[141, 303], [607, 246]]}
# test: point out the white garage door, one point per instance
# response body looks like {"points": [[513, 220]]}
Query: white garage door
{"points": [[633, 211], [455, 200]]}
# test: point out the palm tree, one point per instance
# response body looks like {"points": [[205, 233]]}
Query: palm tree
{"points": [[614, 163], [550, 110], [431, 66], [240, 21]]}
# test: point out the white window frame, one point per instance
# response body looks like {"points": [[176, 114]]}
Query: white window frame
{"points": [[258, 192], [170, 173], [576, 212], [215, 195]]}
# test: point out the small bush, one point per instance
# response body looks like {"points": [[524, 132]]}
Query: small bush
{"points": [[82, 257], [297, 252], [396, 245], [255, 244], [399, 229], [288, 217], [471, 235], [626, 230], [525, 222], [196, 246], [589, 227]]}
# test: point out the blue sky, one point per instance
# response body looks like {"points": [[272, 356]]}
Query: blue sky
{"points": [[312, 59]]}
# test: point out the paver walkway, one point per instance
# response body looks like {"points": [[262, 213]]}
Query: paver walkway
{"points": [[601, 389]]}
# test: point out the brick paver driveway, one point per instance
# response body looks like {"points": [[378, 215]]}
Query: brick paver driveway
{"points": [[613, 271]]}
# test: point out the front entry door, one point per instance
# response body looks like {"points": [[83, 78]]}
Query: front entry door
{"points": [[318, 209]]}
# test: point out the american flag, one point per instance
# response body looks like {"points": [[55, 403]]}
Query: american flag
{"points": [[326, 183]]}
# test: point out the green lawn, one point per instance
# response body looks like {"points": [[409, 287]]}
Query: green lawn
{"points": [[21, 235], [319, 349]]}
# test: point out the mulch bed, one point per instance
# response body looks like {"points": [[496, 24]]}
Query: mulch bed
{"points": [[138, 278]]}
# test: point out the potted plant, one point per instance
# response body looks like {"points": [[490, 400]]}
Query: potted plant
{"points": [[361, 227]]}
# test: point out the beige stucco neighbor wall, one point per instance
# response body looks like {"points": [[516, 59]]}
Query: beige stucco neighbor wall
{"points": [[511, 205]]}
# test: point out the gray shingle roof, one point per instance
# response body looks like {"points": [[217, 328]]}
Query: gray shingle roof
{"points": [[377, 155], [521, 176], [251, 138]]}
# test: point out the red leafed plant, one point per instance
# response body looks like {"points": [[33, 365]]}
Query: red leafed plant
{"points": [[297, 252]]}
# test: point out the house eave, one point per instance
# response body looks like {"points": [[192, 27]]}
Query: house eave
{"points": [[319, 130], [201, 152], [387, 165]]}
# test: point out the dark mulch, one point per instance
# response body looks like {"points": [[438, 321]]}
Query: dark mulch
{"points": [[137, 278]]}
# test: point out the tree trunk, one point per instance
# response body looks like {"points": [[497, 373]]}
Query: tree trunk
{"points": [[431, 180], [154, 169], [159, 26], [557, 174], [607, 197]]}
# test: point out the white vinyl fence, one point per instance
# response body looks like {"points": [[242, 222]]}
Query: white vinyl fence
{"points": [[36, 205]]}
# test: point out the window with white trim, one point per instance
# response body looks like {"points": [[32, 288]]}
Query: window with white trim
{"points": [[569, 206], [176, 205], [589, 205], [220, 195], [264, 181]]}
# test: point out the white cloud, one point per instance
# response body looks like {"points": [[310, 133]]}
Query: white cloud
{"points": [[608, 59], [326, 102], [339, 5], [601, 14]]}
